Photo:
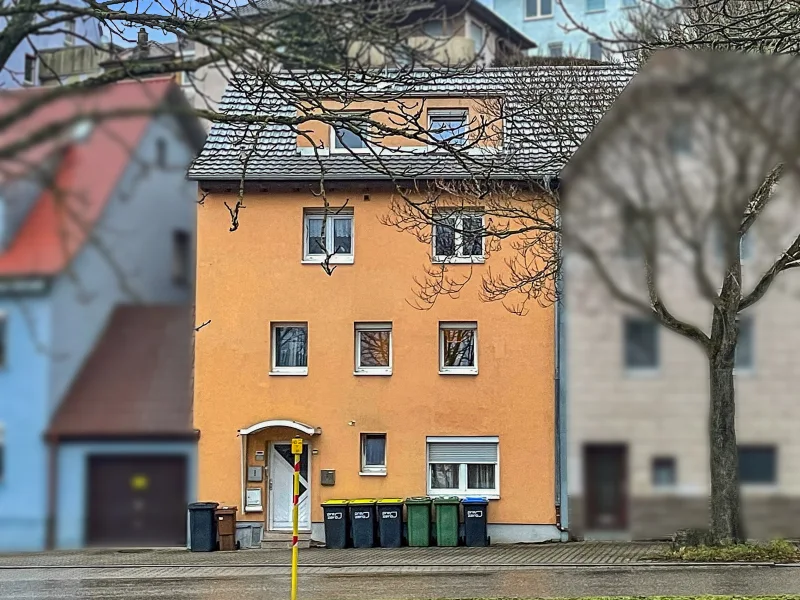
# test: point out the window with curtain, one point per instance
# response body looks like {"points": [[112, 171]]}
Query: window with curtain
{"points": [[328, 234], [458, 348], [373, 453], [373, 348], [290, 348], [463, 466]]}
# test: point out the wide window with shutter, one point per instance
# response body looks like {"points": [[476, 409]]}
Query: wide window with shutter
{"points": [[463, 466]]}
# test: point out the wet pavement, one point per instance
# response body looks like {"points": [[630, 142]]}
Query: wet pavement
{"points": [[268, 583]]}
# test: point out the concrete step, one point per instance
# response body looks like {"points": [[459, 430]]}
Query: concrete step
{"points": [[278, 540]]}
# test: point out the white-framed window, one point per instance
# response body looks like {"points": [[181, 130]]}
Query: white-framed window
{"points": [[595, 50], [373, 454], [463, 466], [595, 5], [556, 49], [328, 233], [351, 135], [535, 9], [69, 37], [289, 349], [477, 34], [458, 348], [448, 126], [3, 340], [373, 348], [458, 236]]}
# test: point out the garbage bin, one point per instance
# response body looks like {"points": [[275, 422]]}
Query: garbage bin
{"points": [[475, 521], [202, 527], [336, 523], [362, 522], [390, 522], [419, 521], [447, 520], [226, 527]]}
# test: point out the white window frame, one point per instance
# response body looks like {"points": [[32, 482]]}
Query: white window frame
{"points": [[596, 10], [437, 113], [559, 45], [450, 325], [373, 470], [463, 491], [335, 150], [478, 47], [276, 370], [369, 327], [459, 257], [330, 216], [538, 14]]}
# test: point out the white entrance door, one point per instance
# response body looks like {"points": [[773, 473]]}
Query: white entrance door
{"points": [[281, 491]]}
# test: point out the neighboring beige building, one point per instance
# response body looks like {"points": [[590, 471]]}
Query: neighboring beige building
{"points": [[637, 394]]}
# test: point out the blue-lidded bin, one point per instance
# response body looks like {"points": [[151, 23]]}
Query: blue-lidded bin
{"points": [[475, 509]]}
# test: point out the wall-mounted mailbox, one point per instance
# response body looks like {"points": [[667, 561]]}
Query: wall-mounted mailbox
{"points": [[255, 473], [327, 477]]}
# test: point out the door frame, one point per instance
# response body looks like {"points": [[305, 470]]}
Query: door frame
{"points": [[622, 512], [268, 526]]}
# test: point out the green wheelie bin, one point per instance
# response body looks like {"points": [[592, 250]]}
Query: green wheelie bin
{"points": [[447, 520], [419, 521]]}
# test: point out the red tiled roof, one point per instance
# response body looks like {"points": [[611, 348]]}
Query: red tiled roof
{"points": [[58, 224], [137, 380]]}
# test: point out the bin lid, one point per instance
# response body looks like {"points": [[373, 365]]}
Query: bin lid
{"points": [[203, 505], [418, 500], [363, 501], [447, 500], [475, 500], [226, 510], [335, 502], [390, 501]]}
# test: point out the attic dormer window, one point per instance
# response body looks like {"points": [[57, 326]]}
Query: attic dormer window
{"points": [[350, 136], [448, 126]]}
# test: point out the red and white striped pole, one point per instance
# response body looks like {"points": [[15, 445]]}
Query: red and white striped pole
{"points": [[297, 450]]}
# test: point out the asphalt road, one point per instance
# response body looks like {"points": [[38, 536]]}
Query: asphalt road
{"points": [[269, 584]]}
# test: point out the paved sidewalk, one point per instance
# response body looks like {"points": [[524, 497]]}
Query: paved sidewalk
{"points": [[566, 554]]}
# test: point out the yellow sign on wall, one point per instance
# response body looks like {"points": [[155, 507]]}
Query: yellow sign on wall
{"points": [[140, 482], [297, 446]]}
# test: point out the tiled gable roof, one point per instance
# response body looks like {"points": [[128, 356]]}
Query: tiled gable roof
{"points": [[548, 110]]}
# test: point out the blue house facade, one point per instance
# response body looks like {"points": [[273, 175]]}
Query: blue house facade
{"points": [[61, 284], [553, 27]]}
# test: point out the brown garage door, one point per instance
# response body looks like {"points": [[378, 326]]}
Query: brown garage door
{"points": [[137, 501]]}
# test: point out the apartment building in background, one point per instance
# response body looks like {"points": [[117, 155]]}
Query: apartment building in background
{"points": [[638, 394]]}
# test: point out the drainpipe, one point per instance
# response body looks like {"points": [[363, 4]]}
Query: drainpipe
{"points": [[52, 492], [562, 498]]}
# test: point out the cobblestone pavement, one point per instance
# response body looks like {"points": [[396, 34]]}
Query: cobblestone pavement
{"points": [[388, 583], [574, 553]]}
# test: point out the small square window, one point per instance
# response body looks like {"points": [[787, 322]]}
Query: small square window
{"points": [[595, 50], [641, 344], [664, 471], [458, 348], [757, 464], [289, 349], [538, 8], [328, 234], [373, 348], [351, 135], [745, 347], [373, 453], [181, 257], [555, 49], [595, 5], [448, 127], [458, 236], [29, 75]]}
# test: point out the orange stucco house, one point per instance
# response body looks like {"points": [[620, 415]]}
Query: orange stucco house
{"points": [[392, 401]]}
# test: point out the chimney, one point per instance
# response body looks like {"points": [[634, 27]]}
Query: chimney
{"points": [[142, 45]]}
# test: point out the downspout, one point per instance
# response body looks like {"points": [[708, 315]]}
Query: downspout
{"points": [[52, 492], [562, 497]]}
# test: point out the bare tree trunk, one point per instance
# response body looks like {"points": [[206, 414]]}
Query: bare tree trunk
{"points": [[726, 523]]}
